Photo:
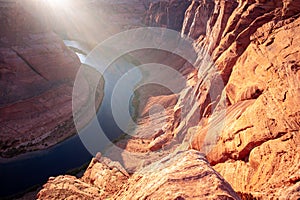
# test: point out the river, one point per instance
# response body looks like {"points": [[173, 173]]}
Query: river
{"points": [[34, 168]]}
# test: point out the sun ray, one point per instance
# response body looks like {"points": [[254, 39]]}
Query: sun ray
{"points": [[58, 3]]}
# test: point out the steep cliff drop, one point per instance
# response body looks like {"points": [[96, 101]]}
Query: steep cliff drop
{"points": [[254, 46], [186, 176], [37, 72]]}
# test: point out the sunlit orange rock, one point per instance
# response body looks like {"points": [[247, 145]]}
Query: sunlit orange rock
{"points": [[257, 53], [184, 175]]}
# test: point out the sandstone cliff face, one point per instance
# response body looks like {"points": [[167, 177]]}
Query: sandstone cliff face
{"points": [[187, 175], [255, 46], [184, 175], [100, 181], [254, 144], [167, 14], [36, 82]]}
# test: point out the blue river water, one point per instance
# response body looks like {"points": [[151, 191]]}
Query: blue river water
{"points": [[25, 171]]}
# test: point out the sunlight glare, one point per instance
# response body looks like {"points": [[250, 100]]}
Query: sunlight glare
{"points": [[58, 3]]}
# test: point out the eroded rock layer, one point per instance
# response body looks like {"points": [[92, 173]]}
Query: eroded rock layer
{"points": [[37, 72], [185, 175], [167, 14], [255, 46], [241, 109]]}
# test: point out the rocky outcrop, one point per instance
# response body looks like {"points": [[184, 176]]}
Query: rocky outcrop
{"points": [[255, 47], [37, 72], [196, 18], [240, 108], [242, 111], [101, 180], [167, 14], [69, 187], [184, 175]]}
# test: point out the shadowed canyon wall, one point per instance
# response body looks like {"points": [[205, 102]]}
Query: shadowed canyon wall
{"points": [[36, 83], [37, 72]]}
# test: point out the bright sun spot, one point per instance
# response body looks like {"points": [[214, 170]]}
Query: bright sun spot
{"points": [[58, 3]]}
